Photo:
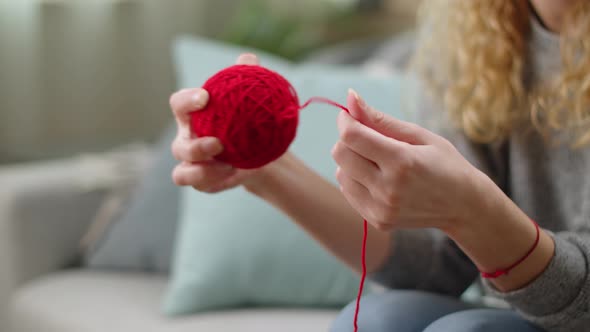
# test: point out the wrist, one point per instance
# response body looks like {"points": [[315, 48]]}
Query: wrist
{"points": [[262, 182], [497, 235], [478, 199]]}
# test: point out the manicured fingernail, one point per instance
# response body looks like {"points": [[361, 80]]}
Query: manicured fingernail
{"points": [[359, 100], [199, 99]]}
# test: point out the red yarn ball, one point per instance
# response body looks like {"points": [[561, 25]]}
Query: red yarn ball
{"points": [[253, 111]]}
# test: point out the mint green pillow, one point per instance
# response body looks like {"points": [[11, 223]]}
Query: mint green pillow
{"points": [[235, 250]]}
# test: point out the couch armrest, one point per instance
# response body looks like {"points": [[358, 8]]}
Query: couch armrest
{"points": [[46, 207]]}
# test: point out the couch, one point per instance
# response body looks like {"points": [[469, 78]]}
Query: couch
{"points": [[45, 209]]}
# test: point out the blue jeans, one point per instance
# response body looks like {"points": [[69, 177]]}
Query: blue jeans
{"points": [[414, 311]]}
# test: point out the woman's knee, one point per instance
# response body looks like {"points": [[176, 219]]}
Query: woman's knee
{"points": [[398, 311], [482, 320]]}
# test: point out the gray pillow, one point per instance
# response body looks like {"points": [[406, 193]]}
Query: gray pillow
{"points": [[143, 237]]}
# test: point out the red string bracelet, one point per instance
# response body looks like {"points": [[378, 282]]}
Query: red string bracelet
{"points": [[506, 270]]}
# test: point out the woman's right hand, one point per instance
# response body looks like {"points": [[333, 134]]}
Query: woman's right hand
{"points": [[196, 167]]}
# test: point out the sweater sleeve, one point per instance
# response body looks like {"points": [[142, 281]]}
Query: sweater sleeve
{"points": [[427, 259], [558, 300]]}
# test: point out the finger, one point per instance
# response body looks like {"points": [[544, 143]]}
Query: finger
{"points": [[357, 195], [353, 164], [248, 59], [386, 124], [196, 150], [366, 141], [228, 183], [201, 176], [186, 101]]}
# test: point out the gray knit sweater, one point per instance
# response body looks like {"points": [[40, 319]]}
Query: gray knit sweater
{"points": [[550, 184]]}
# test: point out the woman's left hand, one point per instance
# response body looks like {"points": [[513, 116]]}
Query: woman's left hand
{"points": [[399, 175]]}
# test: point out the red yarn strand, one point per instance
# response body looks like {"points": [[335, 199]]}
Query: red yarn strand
{"points": [[363, 276], [325, 101], [365, 230], [254, 112]]}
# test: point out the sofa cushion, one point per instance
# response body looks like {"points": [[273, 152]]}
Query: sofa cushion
{"points": [[85, 301], [234, 249], [142, 237]]}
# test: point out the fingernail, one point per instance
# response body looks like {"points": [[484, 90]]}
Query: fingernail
{"points": [[359, 100], [247, 59], [211, 145], [199, 99]]}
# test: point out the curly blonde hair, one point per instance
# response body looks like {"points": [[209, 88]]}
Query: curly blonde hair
{"points": [[480, 51]]}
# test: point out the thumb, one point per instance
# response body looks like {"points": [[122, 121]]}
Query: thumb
{"points": [[386, 124]]}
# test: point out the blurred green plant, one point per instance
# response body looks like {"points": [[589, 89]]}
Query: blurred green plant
{"points": [[290, 29]]}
